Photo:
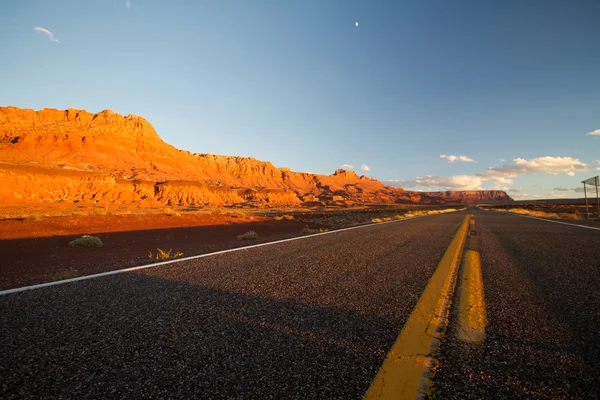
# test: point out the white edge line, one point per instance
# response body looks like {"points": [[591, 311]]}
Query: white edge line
{"points": [[542, 219], [120, 271]]}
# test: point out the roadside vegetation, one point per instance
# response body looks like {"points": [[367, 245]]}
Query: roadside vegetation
{"points": [[309, 231], [251, 235], [64, 274], [86, 241], [536, 213], [343, 218], [162, 255], [414, 213]]}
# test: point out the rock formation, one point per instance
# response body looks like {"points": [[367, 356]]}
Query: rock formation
{"points": [[75, 156]]}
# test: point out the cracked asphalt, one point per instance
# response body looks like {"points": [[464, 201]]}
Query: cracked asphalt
{"points": [[541, 285], [311, 318]]}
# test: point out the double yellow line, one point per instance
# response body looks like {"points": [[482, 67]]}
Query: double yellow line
{"points": [[409, 366]]}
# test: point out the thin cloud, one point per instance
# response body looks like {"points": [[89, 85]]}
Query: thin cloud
{"points": [[451, 158], [594, 133], [347, 166], [128, 4], [500, 176], [365, 167], [501, 160], [47, 33], [561, 189], [458, 182]]}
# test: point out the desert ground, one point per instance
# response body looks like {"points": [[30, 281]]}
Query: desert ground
{"points": [[37, 245]]}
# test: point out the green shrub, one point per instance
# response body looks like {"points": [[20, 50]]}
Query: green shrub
{"points": [[86, 241]]}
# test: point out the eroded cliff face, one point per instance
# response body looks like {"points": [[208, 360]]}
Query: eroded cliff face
{"points": [[76, 156]]}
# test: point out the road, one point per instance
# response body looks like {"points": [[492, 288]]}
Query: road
{"points": [[314, 318], [541, 283]]}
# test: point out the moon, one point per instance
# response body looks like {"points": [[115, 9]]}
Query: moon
{"points": [[356, 23]]}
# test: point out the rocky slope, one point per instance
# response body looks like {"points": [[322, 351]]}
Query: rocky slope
{"points": [[75, 156]]}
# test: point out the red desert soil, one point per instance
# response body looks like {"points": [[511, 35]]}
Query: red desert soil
{"points": [[38, 251]]}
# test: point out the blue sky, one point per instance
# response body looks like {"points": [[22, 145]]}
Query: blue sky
{"points": [[297, 83]]}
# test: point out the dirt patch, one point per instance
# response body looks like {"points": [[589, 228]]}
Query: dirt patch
{"points": [[38, 251]]}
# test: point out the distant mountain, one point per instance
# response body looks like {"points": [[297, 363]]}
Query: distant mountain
{"points": [[76, 156]]}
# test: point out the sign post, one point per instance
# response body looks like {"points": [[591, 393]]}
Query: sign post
{"points": [[596, 182]]}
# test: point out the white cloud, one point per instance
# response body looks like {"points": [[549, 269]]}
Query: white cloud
{"points": [[502, 175], [128, 4], [47, 33], [561, 189], [458, 182], [501, 160], [347, 166], [365, 167], [594, 133], [597, 162], [451, 158], [526, 195], [548, 164], [557, 195]]}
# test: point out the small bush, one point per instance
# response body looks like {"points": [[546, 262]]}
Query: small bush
{"points": [[86, 241], [278, 218], [397, 217], [31, 218], [386, 219], [217, 211], [376, 220], [308, 231], [238, 214], [288, 217], [162, 255], [64, 274], [251, 235]]}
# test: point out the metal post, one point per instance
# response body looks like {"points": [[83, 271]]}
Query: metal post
{"points": [[587, 211], [597, 198]]}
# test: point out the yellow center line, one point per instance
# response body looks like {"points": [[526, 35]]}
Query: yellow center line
{"points": [[472, 317], [408, 367]]}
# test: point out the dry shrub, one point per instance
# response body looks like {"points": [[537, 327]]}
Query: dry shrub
{"points": [[238, 214], [308, 231], [162, 255], [251, 235], [64, 274], [540, 214]]}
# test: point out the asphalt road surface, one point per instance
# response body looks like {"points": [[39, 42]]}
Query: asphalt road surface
{"points": [[311, 318], [542, 291], [314, 318]]}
